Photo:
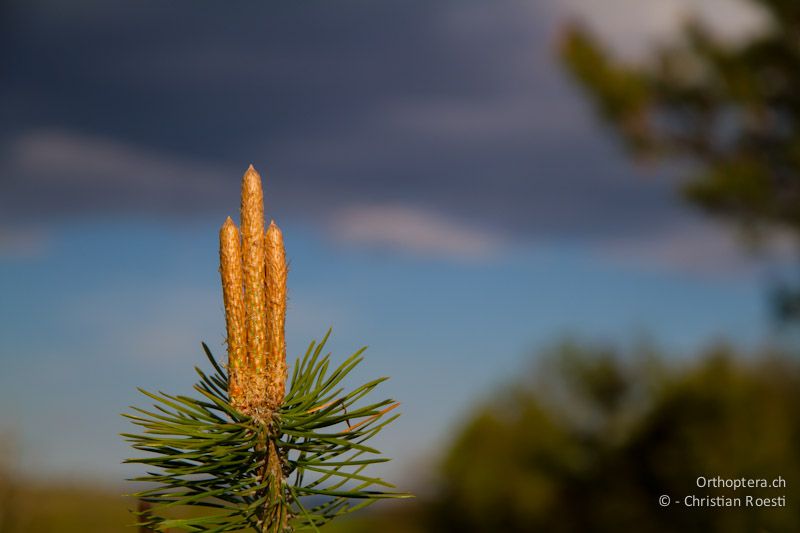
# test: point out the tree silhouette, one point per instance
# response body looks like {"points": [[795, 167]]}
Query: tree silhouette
{"points": [[595, 437], [726, 113]]}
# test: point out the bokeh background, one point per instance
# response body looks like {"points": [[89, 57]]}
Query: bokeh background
{"points": [[566, 230]]}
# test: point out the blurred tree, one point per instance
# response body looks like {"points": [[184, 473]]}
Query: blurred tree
{"points": [[729, 112], [599, 437]]}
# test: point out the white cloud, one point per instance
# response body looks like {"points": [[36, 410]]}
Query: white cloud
{"points": [[412, 229], [698, 248], [99, 170], [23, 243], [632, 26], [57, 172]]}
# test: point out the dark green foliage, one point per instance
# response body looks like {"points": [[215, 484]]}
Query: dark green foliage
{"points": [[592, 440], [732, 110], [726, 113], [203, 454]]}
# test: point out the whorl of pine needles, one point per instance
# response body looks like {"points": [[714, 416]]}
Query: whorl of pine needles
{"points": [[202, 453]]}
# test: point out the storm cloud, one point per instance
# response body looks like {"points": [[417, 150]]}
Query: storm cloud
{"points": [[458, 110]]}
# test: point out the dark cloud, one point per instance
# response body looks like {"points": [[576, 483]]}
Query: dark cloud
{"points": [[451, 107]]}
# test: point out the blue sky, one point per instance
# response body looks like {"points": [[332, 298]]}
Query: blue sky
{"points": [[111, 305], [446, 196]]}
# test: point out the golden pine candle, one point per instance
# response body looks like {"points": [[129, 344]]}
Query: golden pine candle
{"points": [[230, 267], [276, 273], [252, 229]]}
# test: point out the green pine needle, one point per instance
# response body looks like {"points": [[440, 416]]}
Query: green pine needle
{"points": [[206, 460]]}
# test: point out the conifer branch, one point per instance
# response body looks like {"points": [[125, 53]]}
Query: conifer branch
{"points": [[246, 452]]}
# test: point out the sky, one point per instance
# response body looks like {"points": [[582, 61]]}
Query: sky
{"points": [[447, 198]]}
